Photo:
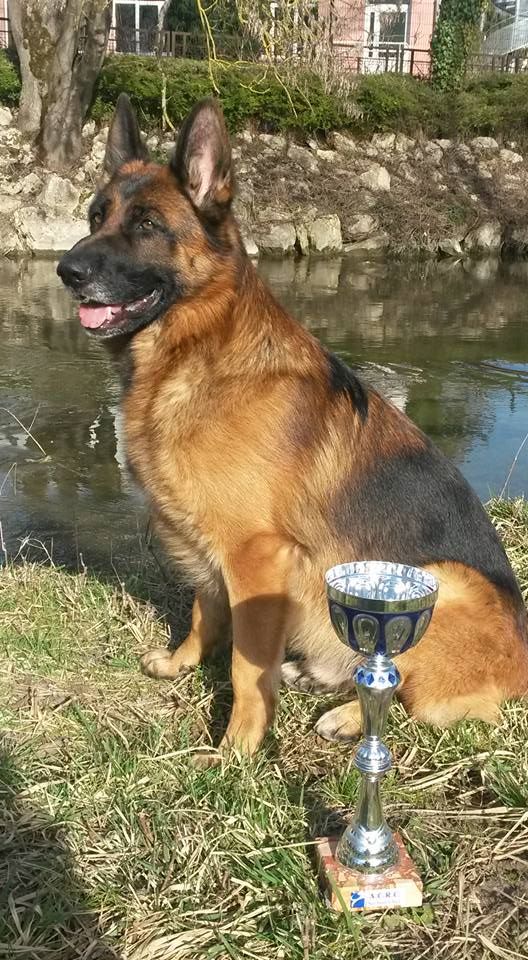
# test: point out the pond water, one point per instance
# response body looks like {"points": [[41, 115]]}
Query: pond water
{"points": [[447, 343]]}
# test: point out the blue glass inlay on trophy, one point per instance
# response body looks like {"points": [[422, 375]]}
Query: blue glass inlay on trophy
{"points": [[380, 610]]}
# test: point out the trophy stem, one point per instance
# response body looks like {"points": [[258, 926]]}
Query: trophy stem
{"points": [[368, 844]]}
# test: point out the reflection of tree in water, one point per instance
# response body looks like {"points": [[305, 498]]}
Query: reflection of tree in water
{"points": [[44, 909], [50, 368], [414, 317]]}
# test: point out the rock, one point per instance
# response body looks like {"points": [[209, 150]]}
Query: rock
{"points": [[84, 206], [376, 178], [274, 141], [276, 238], [6, 117], [29, 184], [404, 144], [324, 234], [436, 176], [245, 137], [379, 241], [487, 238], [484, 171], [359, 227], [509, 157], [450, 247], [433, 152], [406, 171], [273, 215], [516, 242], [59, 195], [463, 153], [10, 242], [303, 242], [102, 136], [328, 155], [8, 204], [88, 131], [250, 246], [365, 201], [166, 147], [444, 144], [303, 158], [10, 136], [245, 193], [47, 235], [343, 144], [92, 169], [383, 141], [152, 142], [484, 144], [371, 152], [98, 151]]}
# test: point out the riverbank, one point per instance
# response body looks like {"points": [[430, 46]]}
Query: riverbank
{"points": [[115, 845], [390, 194]]}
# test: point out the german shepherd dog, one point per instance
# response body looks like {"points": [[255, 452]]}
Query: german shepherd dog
{"points": [[266, 460]]}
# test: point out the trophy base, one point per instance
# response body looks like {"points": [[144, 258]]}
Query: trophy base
{"points": [[398, 886]]}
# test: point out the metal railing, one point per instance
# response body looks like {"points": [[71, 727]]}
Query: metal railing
{"points": [[507, 36], [359, 57]]}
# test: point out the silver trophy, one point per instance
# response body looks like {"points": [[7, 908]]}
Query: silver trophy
{"points": [[380, 610]]}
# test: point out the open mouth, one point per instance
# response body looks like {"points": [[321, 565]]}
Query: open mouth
{"points": [[100, 316]]}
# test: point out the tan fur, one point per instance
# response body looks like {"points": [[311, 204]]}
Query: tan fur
{"points": [[239, 440]]}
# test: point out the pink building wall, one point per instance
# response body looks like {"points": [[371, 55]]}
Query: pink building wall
{"points": [[349, 31]]}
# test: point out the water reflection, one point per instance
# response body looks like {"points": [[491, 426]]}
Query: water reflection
{"points": [[445, 342]]}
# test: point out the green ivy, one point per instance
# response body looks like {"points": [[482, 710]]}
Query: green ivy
{"points": [[454, 39], [9, 82]]}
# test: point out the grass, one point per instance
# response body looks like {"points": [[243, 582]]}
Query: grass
{"points": [[113, 845]]}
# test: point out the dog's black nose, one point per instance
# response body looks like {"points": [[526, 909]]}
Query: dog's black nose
{"points": [[74, 270]]}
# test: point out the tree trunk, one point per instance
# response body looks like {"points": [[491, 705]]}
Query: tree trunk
{"points": [[61, 45]]}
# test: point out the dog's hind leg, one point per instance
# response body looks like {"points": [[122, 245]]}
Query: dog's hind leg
{"points": [[472, 657], [342, 724], [210, 622]]}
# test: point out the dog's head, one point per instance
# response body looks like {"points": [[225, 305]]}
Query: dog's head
{"points": [[158, 234]]}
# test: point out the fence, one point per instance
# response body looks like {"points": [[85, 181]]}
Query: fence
{"points": [[354, 56]]}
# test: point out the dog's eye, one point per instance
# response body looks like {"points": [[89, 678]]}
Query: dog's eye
{"points": [[96, 219], [147, 224]]}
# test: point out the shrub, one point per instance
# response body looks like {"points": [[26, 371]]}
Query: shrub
{"points": [[9, 82], [249, 93], [398, 103], [494, 104]]}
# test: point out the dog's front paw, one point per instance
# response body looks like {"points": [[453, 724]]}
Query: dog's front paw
{"points": [[296, 675], [342, 724], [163, 663], [208, 758]]}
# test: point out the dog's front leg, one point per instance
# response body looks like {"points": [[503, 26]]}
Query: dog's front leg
{"points": [[257, 583]]}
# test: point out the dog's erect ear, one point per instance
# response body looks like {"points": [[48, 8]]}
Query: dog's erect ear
{"points": [[124, 139], [202, 160]]}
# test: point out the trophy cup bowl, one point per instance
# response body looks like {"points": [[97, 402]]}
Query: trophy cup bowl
{"points": [[379, 609]]}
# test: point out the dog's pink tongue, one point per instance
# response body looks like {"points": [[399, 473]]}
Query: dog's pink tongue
{"points": [[95, 316]]}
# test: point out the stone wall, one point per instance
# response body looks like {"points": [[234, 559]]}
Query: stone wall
{"points": [[390, 194]]}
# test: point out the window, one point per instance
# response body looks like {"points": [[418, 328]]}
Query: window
{"points": [[392, 27], [136, 25]]}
